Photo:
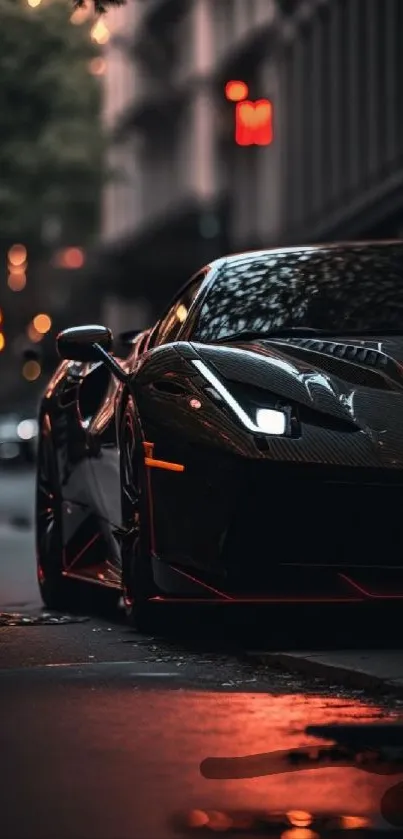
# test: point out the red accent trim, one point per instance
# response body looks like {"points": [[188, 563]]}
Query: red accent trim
{"points": [[83, 550], [367, 593], [238, 600], [199, 583]]}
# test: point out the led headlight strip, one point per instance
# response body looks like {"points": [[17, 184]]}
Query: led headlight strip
{"points": [[268, 420]]}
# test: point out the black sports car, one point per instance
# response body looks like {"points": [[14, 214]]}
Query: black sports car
{"points": [[250, 446]]}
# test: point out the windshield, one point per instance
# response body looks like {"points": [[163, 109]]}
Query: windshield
{"points": [[357, 288]]}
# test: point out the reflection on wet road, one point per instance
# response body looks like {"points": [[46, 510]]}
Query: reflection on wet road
{"points": [[105, 756], [103, 731]]}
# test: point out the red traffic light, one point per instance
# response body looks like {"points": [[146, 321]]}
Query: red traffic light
{"points": [[254, 123], [235, 91]]}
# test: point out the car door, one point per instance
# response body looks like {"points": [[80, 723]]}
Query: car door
{"points": [[161, 390], [102, 429], [104, 466], [76, 398]]}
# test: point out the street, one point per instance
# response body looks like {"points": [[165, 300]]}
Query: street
{"points": [[99, 724]]}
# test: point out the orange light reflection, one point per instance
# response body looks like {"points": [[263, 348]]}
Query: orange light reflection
{"points": [[198, 725]]}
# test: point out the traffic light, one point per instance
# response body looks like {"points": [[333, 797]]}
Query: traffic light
{"points": [[254, 123]]}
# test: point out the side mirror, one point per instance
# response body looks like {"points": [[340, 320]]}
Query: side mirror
{"points": [[84, 343]]}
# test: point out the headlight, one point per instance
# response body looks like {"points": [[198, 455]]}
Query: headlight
{"points": [[267, 421], [270, 421]]}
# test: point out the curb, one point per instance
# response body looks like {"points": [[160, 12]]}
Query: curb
{"points": [[330, 673]]}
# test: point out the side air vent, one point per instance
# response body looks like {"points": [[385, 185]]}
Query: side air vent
{"points": [[348, 352], [337, 361]]}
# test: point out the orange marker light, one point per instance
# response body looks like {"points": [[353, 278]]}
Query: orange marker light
{"points": [[149, 460], [164, 464]]}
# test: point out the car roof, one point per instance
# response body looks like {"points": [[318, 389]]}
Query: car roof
{"points": [[241, 255]]}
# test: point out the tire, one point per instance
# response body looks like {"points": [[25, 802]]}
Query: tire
{"points": [[57, 591], [137, 579]]}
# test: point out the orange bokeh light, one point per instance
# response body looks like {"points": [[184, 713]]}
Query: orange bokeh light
{"points": [[70, 258], [235, 91], [2, 341], [42, 323], [31, 371], [33, 334], [100, 32], [254, 123], [355, 822], [17, 281], [298, 818], [97, 66], [17, 255], [80, 15]]}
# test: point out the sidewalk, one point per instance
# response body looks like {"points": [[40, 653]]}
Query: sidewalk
{"points": [[380, 671]]}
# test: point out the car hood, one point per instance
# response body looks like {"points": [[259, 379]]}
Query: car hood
{"points": [[355, 380]]}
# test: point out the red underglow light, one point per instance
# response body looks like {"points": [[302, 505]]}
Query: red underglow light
{"points": [[254, 123], [236, 91]]}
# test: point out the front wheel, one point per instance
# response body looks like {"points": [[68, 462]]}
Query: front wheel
{"points": [[137, 579], [54, 588]]}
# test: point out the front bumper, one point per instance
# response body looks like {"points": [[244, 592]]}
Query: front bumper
{"points": [[317, 533]]}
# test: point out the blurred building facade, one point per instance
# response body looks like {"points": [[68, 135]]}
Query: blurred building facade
{"points": [[187, 192], [341, 62]]}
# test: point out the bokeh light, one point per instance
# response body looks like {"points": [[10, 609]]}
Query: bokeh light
{"points": [[100, 32], [17, 255], [97, 66], [27, 429], [70, 258], [298, 818], [2, 341], [34, 3], [355, 822], [31, 371], [80, 15], [17, 281], [235, 91], [42, 323], [33, 334]]}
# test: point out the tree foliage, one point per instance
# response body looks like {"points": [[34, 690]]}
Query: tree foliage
{"points": [[51, 146], [100, 6]]}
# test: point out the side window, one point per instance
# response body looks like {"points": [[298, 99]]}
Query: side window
{"points": [[172, 322]]}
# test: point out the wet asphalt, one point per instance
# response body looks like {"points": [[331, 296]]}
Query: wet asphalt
{"points": [[103, 730]]}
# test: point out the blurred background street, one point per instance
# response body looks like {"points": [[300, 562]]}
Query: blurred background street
{"points": [[139, 145]]}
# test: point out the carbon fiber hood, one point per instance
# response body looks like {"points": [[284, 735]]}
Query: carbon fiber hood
{"points": [[360, 381]]}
